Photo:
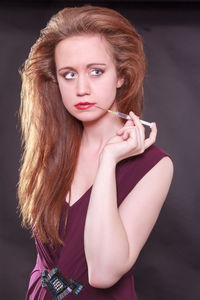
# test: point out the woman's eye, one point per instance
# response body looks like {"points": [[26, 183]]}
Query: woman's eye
{"points": [[97, 72], [70, 75]]}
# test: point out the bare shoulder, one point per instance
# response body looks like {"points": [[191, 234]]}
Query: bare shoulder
{"points": [[162, 173], [155, 182], [166, 163], [164, 167]]}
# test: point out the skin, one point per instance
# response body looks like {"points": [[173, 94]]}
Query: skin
{"points": [[89, 77], [104, 143]]}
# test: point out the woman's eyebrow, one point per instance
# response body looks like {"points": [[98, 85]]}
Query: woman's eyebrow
{"points": [[89, 65]]}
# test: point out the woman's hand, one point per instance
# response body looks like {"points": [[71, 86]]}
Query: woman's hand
{"points": [[129, 140]]}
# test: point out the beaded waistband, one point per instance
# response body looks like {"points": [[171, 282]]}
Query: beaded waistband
{"points": [[58, 285]]}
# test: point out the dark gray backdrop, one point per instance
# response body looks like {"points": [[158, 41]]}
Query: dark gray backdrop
{"points": [[168, 267]]}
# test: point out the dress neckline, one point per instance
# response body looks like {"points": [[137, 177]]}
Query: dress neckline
{"points": [[79, 200], [88, 191]]}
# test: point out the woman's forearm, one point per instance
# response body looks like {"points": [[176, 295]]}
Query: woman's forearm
{"points": [[105, 239]]}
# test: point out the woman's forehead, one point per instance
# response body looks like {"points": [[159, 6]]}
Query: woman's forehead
{"points": [[89, 48]]}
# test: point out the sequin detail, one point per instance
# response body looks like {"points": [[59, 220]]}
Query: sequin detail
{"points": [[58, 285]]}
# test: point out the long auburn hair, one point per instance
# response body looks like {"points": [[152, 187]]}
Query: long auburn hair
{"points": [[50, 135]]}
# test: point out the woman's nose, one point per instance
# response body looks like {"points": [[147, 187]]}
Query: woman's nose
{"points": [[83, 86]]}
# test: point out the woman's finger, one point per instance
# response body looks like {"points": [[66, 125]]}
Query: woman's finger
{"points": [[152, 137], [128, 123], [137, 122], [141, 130], [125, 135], [125, 129], [136, 131]]}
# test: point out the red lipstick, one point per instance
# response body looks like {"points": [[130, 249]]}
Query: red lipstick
{"points": [[84, 105]]}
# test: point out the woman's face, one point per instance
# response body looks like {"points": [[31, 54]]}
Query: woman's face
{"points": [[86, 75]]}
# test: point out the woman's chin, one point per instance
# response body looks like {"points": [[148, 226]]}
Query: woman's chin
{"points": [[88, 116]]}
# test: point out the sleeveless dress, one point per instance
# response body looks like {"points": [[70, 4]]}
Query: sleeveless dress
{"points": [[70, 258]]}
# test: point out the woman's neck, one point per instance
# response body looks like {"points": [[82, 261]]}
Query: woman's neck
{"points": [[97, 133]]}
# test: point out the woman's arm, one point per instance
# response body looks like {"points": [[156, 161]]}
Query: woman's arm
{"points": [[105, 238], [114, 236]]}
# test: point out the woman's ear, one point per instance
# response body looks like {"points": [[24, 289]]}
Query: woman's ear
{"points": [[120, 81]]}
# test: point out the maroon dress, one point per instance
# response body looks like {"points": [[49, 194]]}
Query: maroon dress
{"points": [[70, 258]]}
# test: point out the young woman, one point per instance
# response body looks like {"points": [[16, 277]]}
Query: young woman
{"points": [[91, 185]]}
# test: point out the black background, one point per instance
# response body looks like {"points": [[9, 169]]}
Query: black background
{"points": [[169, 264]]}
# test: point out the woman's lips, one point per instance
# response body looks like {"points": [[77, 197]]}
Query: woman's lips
{"points": [[84, 105]]}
